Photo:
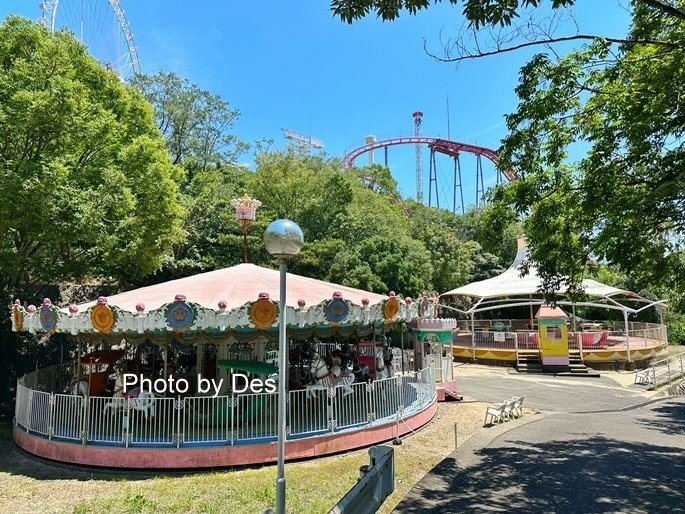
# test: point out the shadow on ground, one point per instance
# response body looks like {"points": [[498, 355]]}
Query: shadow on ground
{"points": [[592, 474], [670, 419]]}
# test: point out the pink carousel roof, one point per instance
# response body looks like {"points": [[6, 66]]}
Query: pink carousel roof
{"points": [[236, 286]]}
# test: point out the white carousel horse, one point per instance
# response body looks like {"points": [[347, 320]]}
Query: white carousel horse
{"points": [[80, 388], [324, 378], [139, 399], [383, 370]]}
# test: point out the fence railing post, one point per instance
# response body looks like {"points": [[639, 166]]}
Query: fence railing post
{"points": [[51, 416], [85, 418], [126, 426], [331, 393], [179, 404], [668, 368], [29, 412]]}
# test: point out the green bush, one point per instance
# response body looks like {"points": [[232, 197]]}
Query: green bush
{"points": [[676, 327]]}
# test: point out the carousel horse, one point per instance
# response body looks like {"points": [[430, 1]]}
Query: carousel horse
{"points": [[323, 378], [138, 398], [384, 368], [79, 388]]}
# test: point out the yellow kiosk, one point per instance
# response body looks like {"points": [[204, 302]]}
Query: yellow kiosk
{"points": [[553, 336]]}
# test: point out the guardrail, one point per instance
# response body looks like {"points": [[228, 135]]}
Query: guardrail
{"points": [[233, 419], [376, 483], [661, 372]]}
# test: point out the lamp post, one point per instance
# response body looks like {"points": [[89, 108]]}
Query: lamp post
{"points": [[283, 239], [245, 212]]}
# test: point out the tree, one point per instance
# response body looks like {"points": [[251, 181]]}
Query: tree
{"points": [[213, 236], [618, 98], [622, 202], [382, 263], [478, 12], [499, 26], [311, 190], [88, 188], [197, 124], [378, 178], [450, 256]]}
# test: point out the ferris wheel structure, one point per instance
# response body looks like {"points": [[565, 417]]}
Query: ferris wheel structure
{"points": [[101, 26]]}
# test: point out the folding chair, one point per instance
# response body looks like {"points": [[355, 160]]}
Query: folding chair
{"points": [[495, 412]]}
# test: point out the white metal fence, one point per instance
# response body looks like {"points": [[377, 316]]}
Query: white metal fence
{"points": [[235, 419], [662, 371], [640, 335]]}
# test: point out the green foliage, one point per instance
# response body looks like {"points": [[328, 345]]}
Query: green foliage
{"points": [[478, 12], [310, 190], [195, 122], [676, 327], [379, 179], [382, 264], [450, 256], [88, 189], [623, 201]]}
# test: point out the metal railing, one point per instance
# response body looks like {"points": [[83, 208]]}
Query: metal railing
{"points": [[376, 483], [640, 335], [232, 419], [52, 378], [662, 371]]}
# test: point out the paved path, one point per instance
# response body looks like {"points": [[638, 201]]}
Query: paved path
{"points": [[591, 451], [549, 393]]}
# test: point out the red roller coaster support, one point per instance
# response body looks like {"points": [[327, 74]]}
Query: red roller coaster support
{"points": [[444, 146]]}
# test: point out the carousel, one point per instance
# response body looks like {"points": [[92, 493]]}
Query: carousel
{"points": [[184, 374]]}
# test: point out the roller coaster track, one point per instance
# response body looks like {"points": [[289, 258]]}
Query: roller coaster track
{"points": [[444, 146]]}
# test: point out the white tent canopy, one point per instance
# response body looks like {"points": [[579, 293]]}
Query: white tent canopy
{"points": [[511, 283], [503, 289]]}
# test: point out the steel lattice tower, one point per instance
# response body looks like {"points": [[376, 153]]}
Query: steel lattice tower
{"points": [[418, 116]]}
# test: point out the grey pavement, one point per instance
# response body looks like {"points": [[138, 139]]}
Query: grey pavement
{"points": [[588, 450], [550, 393]]}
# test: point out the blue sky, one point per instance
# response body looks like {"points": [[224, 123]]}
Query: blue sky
{"points": [[292, 64]]}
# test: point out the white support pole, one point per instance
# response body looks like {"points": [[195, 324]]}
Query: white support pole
{"points": [[473, 336], [451, 359], [573, 310], [166, 362], [625, 320], [530, 308], [402, 346], [78, 362]]}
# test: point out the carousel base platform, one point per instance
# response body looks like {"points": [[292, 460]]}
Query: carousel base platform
{"points": [[447, 390]]}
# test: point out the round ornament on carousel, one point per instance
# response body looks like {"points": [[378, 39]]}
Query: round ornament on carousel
{"points": [[180, 315], [102, 317], [263, 312], [391, 309], [48, 319], [337, 309]]}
